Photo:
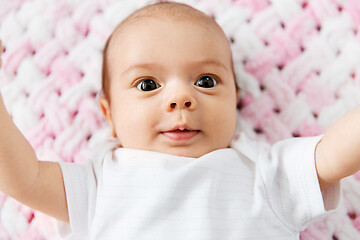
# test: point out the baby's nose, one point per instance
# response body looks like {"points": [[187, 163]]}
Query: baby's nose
{"points": [[187, 104], [181, 99]]}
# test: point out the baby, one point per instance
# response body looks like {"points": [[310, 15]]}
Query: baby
{"points": [[170, 98]]}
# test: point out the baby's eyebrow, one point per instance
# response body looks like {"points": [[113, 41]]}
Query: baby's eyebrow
{"points": [[142, 66], [190, 64], [209, 62]]}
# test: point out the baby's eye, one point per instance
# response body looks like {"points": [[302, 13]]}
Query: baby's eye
{"points": [[147, 85], [206, 82]]}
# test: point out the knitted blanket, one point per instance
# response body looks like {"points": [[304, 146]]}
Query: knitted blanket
{"points": [[297, 63]]}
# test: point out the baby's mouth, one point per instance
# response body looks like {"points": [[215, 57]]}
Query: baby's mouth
{"points": [[179, 134]]}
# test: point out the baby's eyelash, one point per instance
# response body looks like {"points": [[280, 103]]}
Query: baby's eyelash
{"points": [[213, 75], [140, 79], [148, 85]]}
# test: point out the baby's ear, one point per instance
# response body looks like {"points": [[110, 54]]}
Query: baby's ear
{"points": [[106, 111], [105, 108]]}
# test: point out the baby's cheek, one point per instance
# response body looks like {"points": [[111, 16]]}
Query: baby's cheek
{"points": [[227, 121]]}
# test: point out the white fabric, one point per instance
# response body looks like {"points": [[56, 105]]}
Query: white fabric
{"points": [[249, 191]]}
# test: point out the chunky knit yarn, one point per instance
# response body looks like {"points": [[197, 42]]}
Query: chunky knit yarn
{"points": [[296, 61]]}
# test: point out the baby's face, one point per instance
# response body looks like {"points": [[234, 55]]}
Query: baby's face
{"points": [[172, 88]]}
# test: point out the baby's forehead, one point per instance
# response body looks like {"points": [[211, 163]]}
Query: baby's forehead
{"points": [[118, 43], [169, 12]]}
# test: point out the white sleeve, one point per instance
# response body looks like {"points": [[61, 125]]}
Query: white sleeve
{"points": [[292, 186], [80, 189]]}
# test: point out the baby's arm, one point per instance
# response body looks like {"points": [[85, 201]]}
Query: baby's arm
{"points": [[37, 184], [338, 153]]}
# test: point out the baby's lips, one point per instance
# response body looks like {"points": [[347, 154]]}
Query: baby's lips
{"points": [[181, 128], [178, 134]]}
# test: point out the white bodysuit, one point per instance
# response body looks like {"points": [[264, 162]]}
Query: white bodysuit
{"points": [[249, 191]]}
